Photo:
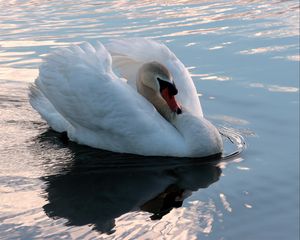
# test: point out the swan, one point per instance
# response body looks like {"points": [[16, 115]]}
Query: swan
{"points": [[127, 96]]}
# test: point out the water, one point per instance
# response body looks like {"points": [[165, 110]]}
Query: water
{"points": [[244, 59]]}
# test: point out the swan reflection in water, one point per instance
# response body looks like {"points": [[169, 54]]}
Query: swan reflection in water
{"points": [[96, 187]]}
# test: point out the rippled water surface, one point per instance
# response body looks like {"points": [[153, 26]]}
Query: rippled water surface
{"points": [[244, 59]]}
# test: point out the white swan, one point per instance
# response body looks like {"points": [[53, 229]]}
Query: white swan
{"points": [[78, 91]]}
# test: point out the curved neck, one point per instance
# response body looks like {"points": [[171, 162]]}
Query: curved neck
{"points": [[201, 137]]}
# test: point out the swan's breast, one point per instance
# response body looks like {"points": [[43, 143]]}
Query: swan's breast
{"points": [[200, 135]]}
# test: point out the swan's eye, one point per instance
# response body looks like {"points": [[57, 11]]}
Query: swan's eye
{"points": [[162, 84], [172, 89], [170, 86], [159, 80]]}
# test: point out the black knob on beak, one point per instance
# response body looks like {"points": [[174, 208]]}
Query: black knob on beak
{"points": [[170, 86], [172, 89]]}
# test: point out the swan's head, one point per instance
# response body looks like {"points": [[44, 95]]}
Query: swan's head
{"points": [[155, 83]]}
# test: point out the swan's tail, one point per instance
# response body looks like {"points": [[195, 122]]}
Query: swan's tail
{"points": [[43, 106]]}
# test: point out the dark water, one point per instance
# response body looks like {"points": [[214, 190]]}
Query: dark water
{"points": [[244, 59]]}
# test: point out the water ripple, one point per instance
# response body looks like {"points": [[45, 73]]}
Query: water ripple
{"points": [[55, 189], [46, 25]]}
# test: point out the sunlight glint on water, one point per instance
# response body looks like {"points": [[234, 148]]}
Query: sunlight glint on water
{"points": [[244, 59]]}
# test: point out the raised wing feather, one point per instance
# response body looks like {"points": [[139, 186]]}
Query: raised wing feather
{"points": [[98, 108], [129, 54]]}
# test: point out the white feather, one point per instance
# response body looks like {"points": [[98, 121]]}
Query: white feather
{"points": [[129, 54], [78, 92]]}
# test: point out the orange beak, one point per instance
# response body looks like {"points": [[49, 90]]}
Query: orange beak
{"points": [[171, 101]]}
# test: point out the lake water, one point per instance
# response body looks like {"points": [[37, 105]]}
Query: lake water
{"points": [[244, 59]]}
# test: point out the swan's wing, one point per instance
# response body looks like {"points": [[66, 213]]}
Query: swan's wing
{"points": [[45, 108], [129, 54], [101, 109], [126, 68]]}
